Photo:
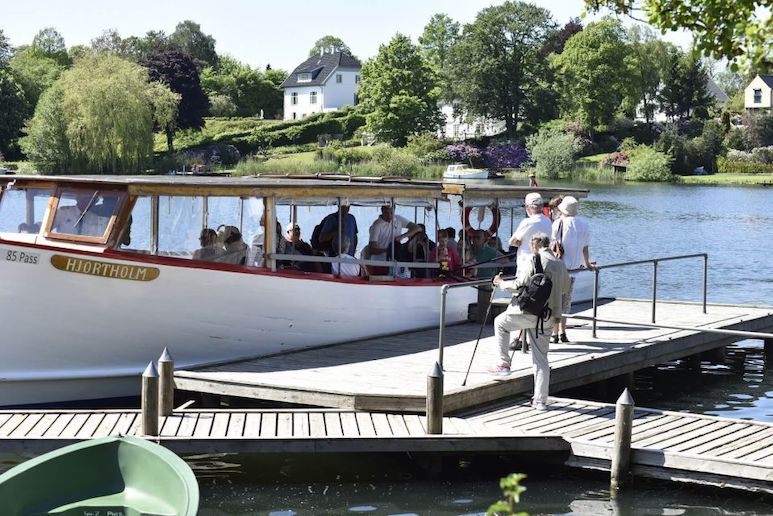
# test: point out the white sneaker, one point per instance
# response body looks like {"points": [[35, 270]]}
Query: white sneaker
{"points": [[538, 405]]}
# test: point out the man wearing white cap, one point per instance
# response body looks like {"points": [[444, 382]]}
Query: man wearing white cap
{"points": [[535, 222], [573, 232]]}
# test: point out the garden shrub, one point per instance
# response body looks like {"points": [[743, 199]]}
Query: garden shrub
{"points": [[504, 156], [464, 153], [422, 144], [763, 155], [647, 164], [395, 162], [739, 155], [730, 166], [440, 155], [552, 152], [735, 139], [759, 130]]}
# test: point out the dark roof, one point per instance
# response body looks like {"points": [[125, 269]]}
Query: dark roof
{"points": [[716, 92], [320, 67], [767, 79]]}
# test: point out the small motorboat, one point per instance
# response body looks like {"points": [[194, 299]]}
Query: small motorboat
{"points": [[110, 475], [462, 171]]}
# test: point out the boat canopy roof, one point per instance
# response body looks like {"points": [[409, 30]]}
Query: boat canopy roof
{"points": [[303, 190]]}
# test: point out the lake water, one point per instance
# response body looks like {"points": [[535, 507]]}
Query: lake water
{"points": [[733, 225]]}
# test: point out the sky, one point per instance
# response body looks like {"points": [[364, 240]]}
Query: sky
{"points": [[257, 32]]}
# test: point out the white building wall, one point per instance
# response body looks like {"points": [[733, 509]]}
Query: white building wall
{"points": [[303, 107], [340, 95], [459, 127], [767, 95]]}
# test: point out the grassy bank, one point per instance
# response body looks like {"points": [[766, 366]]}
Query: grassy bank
{"points": [[730, 179]]}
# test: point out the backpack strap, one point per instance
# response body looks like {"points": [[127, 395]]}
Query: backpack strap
{"points": [[538, 264]]}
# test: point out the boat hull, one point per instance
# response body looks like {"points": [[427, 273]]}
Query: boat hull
{"points": [[73, 335]]}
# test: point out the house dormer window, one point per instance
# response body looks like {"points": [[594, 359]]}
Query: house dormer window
{"points": [[313, 97], [294, 98], [339, 78], [758, 96], [304, 77]]}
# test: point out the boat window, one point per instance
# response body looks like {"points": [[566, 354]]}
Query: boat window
{"points": [[137, 236], [180, 220], [22, 210], [86, 215]]}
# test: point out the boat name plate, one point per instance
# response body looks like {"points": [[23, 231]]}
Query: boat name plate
{"points": [[104, 269]]}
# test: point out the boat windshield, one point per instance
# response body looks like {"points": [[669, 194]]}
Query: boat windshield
{"points": [[22, 210], [84, 214]]}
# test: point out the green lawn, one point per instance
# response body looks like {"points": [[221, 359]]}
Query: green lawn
{"points": [[729, 179], [594, 159]]}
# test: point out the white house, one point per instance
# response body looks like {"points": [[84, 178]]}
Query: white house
{"points": [[324, 82], [460, 125], [759, 94]]}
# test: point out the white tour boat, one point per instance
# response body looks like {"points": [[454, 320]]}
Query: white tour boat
{"points": [[99, 273], [462, 171]]}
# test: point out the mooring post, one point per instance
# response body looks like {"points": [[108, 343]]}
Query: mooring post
{"points": [[150, 400], [621, 453], [165, 383], [435, 400]]}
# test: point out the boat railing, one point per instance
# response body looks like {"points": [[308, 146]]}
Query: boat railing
{"points": [[336, 259], [654, 262]]}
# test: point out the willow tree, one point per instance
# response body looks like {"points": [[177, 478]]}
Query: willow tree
{"points": [[97, 118]]}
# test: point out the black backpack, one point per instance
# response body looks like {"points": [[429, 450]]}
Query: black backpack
{"points": [[534, 296], [314, 242]]}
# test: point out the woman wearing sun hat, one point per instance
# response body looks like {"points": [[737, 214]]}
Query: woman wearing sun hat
{"points": [[573, 233]]}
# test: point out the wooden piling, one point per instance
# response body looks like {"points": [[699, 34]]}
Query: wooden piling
{"points": [[149, 401], [165, 383], [621, 451], [435, 400]]}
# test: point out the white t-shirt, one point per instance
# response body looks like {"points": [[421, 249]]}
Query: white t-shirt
{"points": [[575, 235], [381, 233], [530, 226], [347, 269]]}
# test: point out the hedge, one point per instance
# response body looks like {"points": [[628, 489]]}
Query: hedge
{"points": [[726, 166]]}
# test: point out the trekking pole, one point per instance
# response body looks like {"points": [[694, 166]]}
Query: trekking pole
{"points": [[480, 332]]}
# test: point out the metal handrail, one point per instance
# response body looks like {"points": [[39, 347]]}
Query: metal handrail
{"points": [[654, 262]]}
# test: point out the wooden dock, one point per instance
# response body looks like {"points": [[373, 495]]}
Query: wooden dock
{"points": [[666, 445], [389, 373]]}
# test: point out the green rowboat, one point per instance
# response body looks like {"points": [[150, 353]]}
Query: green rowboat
{"points": [[111, 476]]}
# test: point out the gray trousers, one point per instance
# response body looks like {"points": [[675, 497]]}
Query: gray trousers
{"points": [[510, 321]]}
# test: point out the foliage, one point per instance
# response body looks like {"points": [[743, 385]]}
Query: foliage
{"points": [[422, 144], [396, 162], [13, 111], [464, 153], [759, 130], [498, 67], [5, 49], [178, 71], [221, 105], [187, 36], [650, 58], [735, 139], [728, 166], [398, 92], [647, 164], [559, 38], [512, 489], [720, 28], [437, 42], [594, 71], [552, 152], [615, 158], [504, 156], [250, 91], [96, 118], [35, 73], [325, 42], [49, 43], [684, 90]]}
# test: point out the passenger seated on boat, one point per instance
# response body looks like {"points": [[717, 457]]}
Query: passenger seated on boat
{"points": [[328, 228], [295, 245], [33, 228], [256, 251], [348, 266], [234, 248], [445, 255], [386, 231], [452, 242], [80, 219], [417, 249], [482, 253], [210, 247]]}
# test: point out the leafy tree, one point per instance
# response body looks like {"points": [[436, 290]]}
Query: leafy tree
{"points": [[325, 42], [594, 72], [98, 117], [49, 43], [249, 90], [178, 71], [398, 92], [5, 49], [35, 73], [189, 38], [498, 67], [719, 27], [684, 86], [437, 41], [559, 39], [731, 82], [650, 58], [13, 110]]}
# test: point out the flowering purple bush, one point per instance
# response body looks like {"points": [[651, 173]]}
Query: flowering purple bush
{"points": [[505, 156], [464, 153]]}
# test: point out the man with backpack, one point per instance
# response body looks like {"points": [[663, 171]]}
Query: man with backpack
{"points": [[541, 280], [325, 231]]}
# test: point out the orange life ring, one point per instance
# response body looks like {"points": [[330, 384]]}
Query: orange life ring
{"points": [[495, 216]]}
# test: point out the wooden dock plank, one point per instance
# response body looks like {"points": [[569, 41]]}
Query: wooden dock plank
{"points": [[398, 426], [107, 424], [707, 428], [25, 426], [381, 425], [203, 425], [187, 425], [763, 440], [220, 424], [90, 426], [333, 424], [284, 424], [42, 426], [171, 425], [124, 423], [317, 425], [10, 425], [74, 426], [413, 423], [349, 425], [656, 437], [739, 431], [365, 424], [253, 425], [236, 425], [301, 425]]}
